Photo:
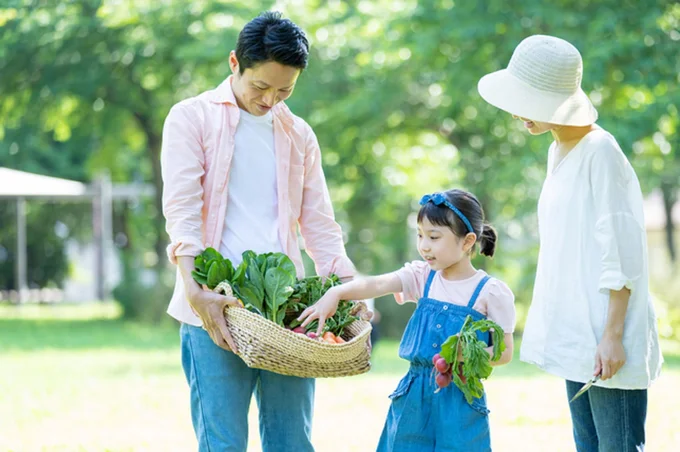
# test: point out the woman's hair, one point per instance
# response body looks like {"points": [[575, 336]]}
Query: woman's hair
{"points": [[470, 207]]}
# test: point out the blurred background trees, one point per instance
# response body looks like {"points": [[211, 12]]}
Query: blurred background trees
{"points": [[390, 91]]}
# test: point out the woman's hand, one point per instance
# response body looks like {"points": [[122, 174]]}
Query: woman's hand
{"points": [[323, 309], [609, 357]]}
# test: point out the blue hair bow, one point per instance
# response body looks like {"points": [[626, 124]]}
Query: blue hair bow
{"points": [[439, 199]]}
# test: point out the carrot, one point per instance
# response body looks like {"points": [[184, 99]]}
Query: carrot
{"points": [[329, 337], [339, 340]]}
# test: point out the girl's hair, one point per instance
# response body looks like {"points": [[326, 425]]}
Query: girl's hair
{"points": [[470, 207]]}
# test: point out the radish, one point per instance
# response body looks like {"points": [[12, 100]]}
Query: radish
{"points": [[312, 335], [442, 366], [443, 380], [435, 358], [299, 330]]}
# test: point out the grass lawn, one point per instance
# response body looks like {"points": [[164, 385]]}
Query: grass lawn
{"points": [[79, 379]]}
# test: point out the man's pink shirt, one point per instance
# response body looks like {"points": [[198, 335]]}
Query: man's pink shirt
{"points": [[196, 154]]}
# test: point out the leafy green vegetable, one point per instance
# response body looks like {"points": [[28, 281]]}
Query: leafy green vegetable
{"points": [[267, 285], [253, 274], [476, 361], [278, 287], [199, 277]]}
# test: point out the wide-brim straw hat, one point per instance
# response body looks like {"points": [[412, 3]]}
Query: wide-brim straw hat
{"points": [[541, 83]]}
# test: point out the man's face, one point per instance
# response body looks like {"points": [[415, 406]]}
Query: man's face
{"points": [[262, 86]]}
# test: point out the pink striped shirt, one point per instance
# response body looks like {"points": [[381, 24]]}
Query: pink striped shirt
{"points": [[198, 145]]}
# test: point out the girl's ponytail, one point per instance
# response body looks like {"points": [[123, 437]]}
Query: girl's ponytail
{"points": [[487, 241]]}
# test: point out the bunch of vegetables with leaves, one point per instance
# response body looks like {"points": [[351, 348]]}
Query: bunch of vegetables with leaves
{"points": [[476, 364], [267, 285], [263, 282]]}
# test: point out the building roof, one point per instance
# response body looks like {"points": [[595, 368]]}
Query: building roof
{"points": [[14, 184]]}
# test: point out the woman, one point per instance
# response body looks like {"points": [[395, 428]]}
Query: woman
{"points": [[591, 314]]}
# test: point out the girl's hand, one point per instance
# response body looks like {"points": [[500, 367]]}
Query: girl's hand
{"points": [[322, 310]]}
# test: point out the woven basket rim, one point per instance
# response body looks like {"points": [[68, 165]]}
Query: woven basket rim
{"points": [[291, 334]]}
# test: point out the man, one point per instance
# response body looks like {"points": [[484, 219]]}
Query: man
{"points": [[241, 172]]}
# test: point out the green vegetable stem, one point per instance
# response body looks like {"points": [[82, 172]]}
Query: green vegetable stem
{"points": [[476, 361]]}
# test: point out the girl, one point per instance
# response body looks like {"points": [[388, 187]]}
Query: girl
{"points": [[447, 289], [591, 315]]}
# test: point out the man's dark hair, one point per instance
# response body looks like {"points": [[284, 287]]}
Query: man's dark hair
{"points": [[269, 37]]}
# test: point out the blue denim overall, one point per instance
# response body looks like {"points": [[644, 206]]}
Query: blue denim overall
{"points": [[420, 420]]}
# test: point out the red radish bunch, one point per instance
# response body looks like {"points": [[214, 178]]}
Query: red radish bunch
{"points": [[444, 372], [444, 376]]}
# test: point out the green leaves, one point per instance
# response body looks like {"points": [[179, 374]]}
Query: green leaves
{"points": [[476, 360], [210, 268], [264, 282], [277, 286]]}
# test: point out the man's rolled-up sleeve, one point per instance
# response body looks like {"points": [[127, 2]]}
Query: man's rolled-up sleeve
{"points": [[321, 233], [182, 169]]}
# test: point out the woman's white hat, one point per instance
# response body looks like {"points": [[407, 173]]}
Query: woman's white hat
{"points": [[541, 83]]}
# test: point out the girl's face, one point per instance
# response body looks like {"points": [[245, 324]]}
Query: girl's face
{"points": [[440, 247], [535, 127]]}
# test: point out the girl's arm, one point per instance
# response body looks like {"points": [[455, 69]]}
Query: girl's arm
{"points": [[506, 356], [321, 232], [359, 289]]}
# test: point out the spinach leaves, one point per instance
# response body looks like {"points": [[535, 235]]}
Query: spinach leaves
{"points": [[267, 285], [476, 361]]}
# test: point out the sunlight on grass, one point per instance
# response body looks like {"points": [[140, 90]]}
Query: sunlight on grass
{"points": [[70, 384], [75, 311]]}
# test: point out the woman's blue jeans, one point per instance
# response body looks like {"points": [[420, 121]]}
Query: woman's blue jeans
{"points": [[608, 420]]}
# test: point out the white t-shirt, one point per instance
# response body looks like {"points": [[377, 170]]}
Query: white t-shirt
{"points": [[592, 240], [252, 206]]}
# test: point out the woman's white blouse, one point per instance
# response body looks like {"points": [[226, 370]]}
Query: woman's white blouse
{"points": [[592, 240]]}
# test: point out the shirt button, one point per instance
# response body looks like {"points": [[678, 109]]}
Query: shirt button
{"points": [[434, 345], [439, 326], [445, 308]]}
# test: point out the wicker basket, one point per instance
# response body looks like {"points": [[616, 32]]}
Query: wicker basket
{"points": [[262, 344]]}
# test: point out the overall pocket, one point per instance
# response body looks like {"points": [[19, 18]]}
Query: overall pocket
{"points": [[403, 386], [479, 405]]}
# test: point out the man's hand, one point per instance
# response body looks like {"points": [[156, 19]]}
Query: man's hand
{"points": [[209, 306], [609, 357]]}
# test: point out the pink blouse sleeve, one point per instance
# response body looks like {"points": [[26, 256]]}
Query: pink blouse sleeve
{"points": [[413, 276], [500, 305]]}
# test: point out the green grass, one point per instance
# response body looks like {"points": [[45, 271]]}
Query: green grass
{"points": [[76, 378]]}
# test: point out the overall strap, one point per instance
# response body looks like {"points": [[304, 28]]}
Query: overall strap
{"points": [[479, 288], [430, 277]]}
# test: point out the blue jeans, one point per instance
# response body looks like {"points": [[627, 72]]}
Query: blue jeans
{"points": [[221, 387], [608, 420]]}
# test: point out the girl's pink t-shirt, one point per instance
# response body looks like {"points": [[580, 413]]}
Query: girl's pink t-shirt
{"points": [[496, 300]]}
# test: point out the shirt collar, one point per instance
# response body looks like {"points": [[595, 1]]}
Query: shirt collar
{"points": [[223, 94]]}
